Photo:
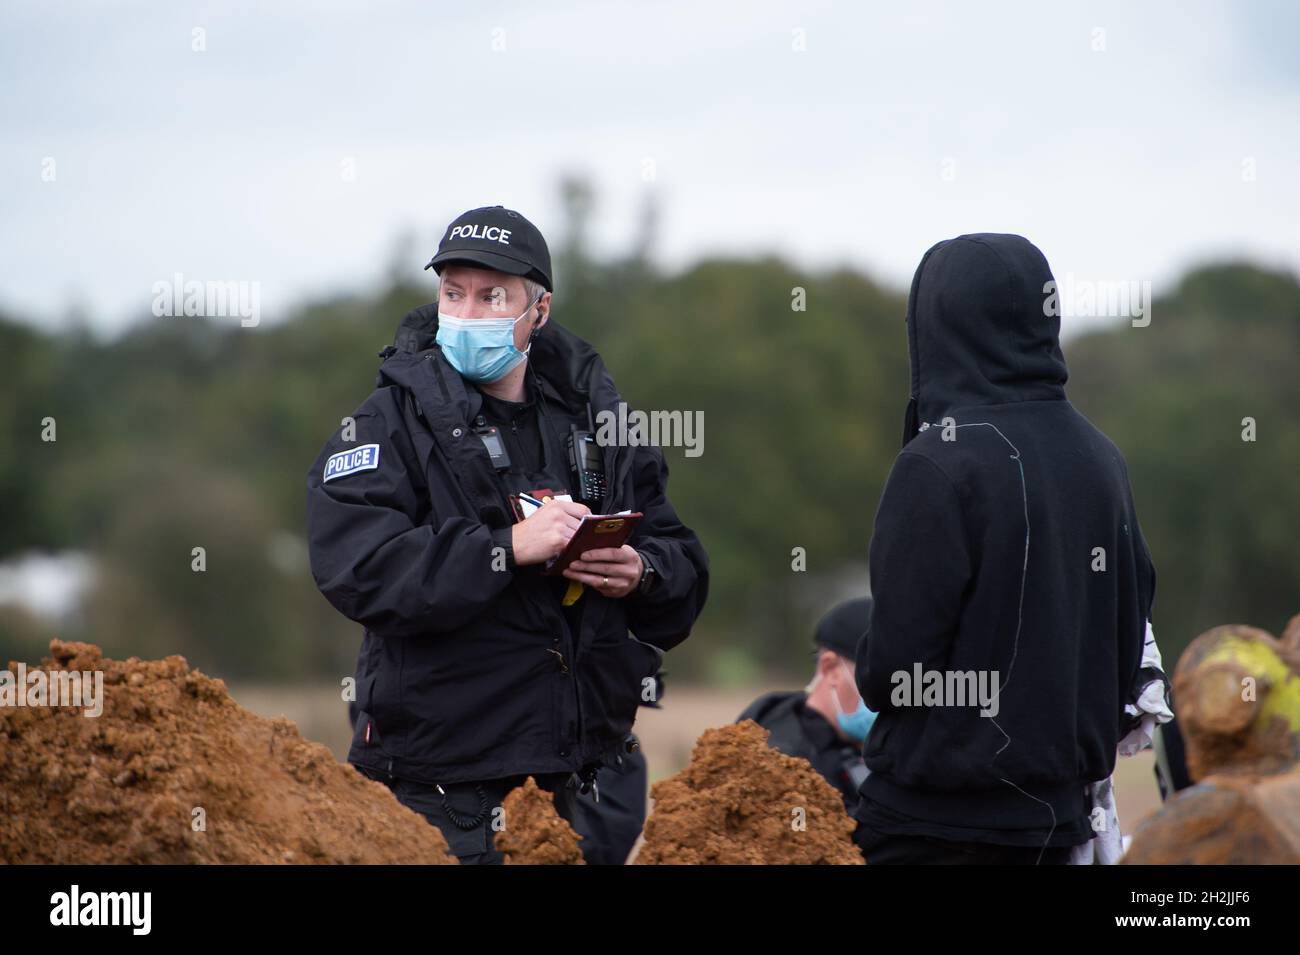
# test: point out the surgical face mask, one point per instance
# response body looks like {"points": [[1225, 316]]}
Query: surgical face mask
{"points": [[856, 725], [481, 349]]}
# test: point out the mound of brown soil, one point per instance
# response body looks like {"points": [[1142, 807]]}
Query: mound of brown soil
{"points": [[534, 833], [741, 802], [175, 771]]}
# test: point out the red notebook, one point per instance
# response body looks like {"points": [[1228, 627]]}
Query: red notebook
{"points": [[596, 531]]}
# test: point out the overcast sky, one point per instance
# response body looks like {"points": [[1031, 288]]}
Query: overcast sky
{"points": [[1128, 140]]}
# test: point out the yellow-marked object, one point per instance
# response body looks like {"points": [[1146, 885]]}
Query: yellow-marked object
{"points": [[1237, 692], [575, 589], [1261, 664], [1238, 696]]}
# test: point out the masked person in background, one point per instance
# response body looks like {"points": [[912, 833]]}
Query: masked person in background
{"points": [[826, 722], [475, 669]]}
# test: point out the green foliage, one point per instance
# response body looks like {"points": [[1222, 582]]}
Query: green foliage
{"points": [[193, 432], [1220, 514]]}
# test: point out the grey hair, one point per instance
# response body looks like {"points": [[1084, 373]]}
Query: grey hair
{"points": [[533, 290]]}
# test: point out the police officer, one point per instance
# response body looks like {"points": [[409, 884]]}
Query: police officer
{"points": [[476, 670], [827, 722]]}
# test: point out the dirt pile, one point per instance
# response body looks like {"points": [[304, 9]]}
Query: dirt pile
{"points": [[741, 802], [174, 771], [534, 833]]}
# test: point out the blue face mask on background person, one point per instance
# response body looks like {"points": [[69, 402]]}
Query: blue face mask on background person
{"points": [[856, 725], [481, 349]]}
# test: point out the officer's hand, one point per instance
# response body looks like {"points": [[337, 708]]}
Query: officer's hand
{"points": [[613, 571], [543, 534]]}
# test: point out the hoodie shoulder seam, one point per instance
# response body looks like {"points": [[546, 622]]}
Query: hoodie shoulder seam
{"points": [[928, 459]]}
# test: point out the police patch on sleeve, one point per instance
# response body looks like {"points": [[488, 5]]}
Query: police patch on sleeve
{"points": [[364, 458]]}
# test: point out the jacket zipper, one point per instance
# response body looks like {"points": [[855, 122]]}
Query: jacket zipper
{"points": [[577, 692], [567, 672]]}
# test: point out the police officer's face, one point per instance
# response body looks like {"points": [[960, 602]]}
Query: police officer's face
{"points": [[482, 293]]}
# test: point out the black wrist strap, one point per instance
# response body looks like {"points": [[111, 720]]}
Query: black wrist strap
{"points": [[647, 573]]}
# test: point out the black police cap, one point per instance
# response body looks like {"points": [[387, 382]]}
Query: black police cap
{"points": [[844, 627], [497, 238]]}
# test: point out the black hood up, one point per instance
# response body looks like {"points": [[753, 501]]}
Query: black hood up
{"points": [[977, 330]]}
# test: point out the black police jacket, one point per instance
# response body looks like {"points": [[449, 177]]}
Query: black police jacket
{"points": [[468, 668]]}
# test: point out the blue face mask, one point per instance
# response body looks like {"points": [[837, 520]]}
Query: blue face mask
{"points": [[481, 349], [856, 725]]}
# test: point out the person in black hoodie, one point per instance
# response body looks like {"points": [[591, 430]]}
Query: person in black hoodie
{"points": [[1006, 555]]}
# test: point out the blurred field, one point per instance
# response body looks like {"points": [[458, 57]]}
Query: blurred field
{"points": [[667, 735]]}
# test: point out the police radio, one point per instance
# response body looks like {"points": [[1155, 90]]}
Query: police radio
{"points": [[491, 439], [586, 467]]}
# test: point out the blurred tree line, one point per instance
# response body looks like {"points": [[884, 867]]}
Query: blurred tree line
{"points": [[196, 432]]}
